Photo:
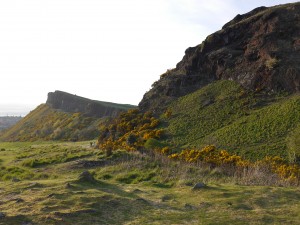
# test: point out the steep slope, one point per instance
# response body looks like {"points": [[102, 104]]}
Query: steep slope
{"points": [[64, 117], [259, 50], [224, 114], [238, 89]]}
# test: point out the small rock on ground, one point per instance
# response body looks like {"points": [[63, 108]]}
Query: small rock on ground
{"points": [[86, 176], [199, 185]]}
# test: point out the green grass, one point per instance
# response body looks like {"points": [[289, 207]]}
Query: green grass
{"points": [[223, 115], [130, 188], [45, 123]]}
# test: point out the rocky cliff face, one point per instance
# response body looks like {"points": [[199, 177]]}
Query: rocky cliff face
{"points": [[72, 103], [260, 50]]}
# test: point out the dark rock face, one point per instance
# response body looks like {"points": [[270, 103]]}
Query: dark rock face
{"points": [[72, 103], [260, 50]]}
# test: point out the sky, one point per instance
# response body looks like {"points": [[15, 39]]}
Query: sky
{"points": [[107, 50]]}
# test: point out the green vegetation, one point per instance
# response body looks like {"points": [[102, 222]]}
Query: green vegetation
{"points": [[227, 116], [45, 123], [130, 130], [130, 188]]}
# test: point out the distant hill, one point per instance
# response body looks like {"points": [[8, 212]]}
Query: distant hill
{"points": [[73, 103], [64, 117], [8, 121]]}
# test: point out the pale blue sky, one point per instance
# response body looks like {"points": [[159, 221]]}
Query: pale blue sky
{"points": [[110, 50]]}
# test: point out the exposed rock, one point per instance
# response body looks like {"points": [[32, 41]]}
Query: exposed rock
{"points": [[18, 200], [50, 195], [189, 206], [73, 103], [199, 185], [14, 179], [142, 200], [68, 185], [137, 191], [27, 223], [86, 176], [88, 164], [2, 215], [166, 198], [35, 185], [204, 204], [259, 50]]}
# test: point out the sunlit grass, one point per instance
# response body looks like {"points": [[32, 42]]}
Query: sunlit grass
{"points": [[133, 189]]}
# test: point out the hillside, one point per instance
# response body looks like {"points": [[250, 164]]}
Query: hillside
{"points": [[259, 50], [64, 117], [238, 91], [224, 114]]}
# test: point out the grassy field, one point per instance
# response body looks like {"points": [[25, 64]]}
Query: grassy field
{"points": [[41, 184]]}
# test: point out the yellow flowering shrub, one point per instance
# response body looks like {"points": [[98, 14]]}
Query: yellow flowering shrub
{"points": [[209, 154], [129, 131]]}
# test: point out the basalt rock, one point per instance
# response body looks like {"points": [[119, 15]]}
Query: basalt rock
{"points": [[260, 50], [73, 103]]}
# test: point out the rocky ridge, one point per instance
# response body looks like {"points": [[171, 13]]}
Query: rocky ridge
{"points": [[73, 103], [260, 50]]}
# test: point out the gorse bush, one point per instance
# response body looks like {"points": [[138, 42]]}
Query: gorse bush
{"points": [[134, 130], [236, 164], [130, 131]]}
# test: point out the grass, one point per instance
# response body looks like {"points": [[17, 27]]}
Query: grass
{"points": [[225, 115], [130, 188], [45, 123]]}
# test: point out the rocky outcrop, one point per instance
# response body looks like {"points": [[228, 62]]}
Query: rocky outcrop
{"points": [[73, 103], [260, 50]]}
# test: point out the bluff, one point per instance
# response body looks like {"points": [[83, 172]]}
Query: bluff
{"points": [[73, 103], [64, 117], [260, 50]]}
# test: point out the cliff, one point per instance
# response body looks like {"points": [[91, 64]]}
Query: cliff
{"points": [[64, 117], [73, 103], [260, 50]]}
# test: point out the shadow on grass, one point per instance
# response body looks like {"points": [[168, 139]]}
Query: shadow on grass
{"points": [[13, 220], [103, 186], [100, 203]]}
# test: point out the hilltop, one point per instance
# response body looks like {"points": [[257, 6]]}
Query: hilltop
{"points": [[64, 117], [259, 50], [73, 103]]}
